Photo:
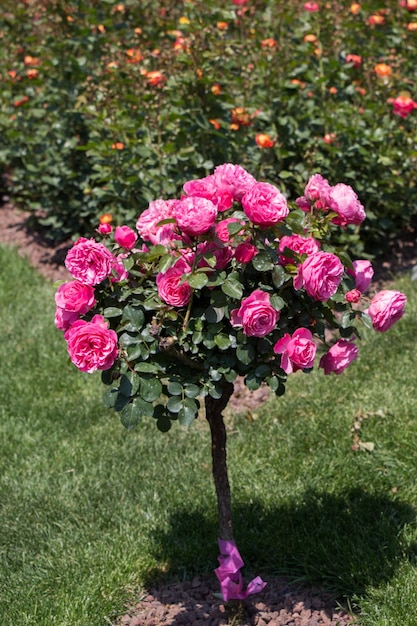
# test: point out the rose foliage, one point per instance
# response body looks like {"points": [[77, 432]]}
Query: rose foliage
{"points": [[231, 279]]}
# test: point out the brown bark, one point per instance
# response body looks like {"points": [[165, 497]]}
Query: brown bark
{"points": [[214, 409]]}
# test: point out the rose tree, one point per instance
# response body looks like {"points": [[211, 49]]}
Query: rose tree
{"points": [[226, 281]]}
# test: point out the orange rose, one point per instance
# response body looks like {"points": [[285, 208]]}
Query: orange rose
{"points": [[241, 117], [382, 69], [133, 55], [376, 19], [263, 140], [355, 8], [106, 218], [268, 43], [216, 89], [310, 38], [117, 146], [155, 77]]}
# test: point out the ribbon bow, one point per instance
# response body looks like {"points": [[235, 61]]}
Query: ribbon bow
{"points": [[230, 576]]}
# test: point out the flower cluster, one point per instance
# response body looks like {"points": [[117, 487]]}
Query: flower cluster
{"points": [[228, 280]]}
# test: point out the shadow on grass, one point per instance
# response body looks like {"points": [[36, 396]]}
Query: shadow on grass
{"points": [[344, 542]]}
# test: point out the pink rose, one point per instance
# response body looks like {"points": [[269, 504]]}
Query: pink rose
{"points": [[119, 271], [148, 223], [344, 201], [89, 262], [363, 273], [265, 205], [195, 215], [320, 275], [353, 296], [207, 188], [233, 179], [339, 357], [299, 244], [125, 237], [298, 351], [172, 289], [256, 315], [105, 229], [75, 296], [222, 230], [245, 252], [386, 308], [317, 190], [222, 254], [64, 319], [403, 106], [312, 7], [92, 345]]}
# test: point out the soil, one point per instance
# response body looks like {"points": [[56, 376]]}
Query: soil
{"points": [[195, 602]]}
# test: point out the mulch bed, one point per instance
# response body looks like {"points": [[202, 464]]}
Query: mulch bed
{"points": [[194, 603]]}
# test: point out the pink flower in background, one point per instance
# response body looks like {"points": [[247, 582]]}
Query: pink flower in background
{"points": [[256, 315], [320, 275], [298, 351], [363, 273], [89, 262], [172, 289], [345, 202], [386, 308], [245, 252], [148, 223], [355, 59], [299, 245], [92, 345], [234, 179], [312, 7], [125, 237], [265, 205], [339, 357], [195, 215], [403, 106], [75, 296]]}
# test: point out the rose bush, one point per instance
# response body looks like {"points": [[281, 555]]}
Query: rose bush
{"points": [[228, 280]]}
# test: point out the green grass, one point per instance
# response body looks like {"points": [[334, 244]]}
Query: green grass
{"points": [[90, 514]]}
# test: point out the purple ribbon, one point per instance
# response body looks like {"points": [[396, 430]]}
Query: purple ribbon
{"points": [[230, 576]]}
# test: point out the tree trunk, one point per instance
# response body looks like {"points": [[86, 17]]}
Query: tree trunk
{"points": [[214, 409]]}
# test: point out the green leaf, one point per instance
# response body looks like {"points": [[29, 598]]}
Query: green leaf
{"points": [[128, 384], [277, 302], [147, 368], [222, 341], [150, 389], [197, 280], [191, 391], [112, 311], [174, 404], [278, 276], [246, 353], [131, 416], [367, 320], [232, 288], [262, 262], [109, 398], [174, 388], [188, 411], [135, 316], [214, 314]]}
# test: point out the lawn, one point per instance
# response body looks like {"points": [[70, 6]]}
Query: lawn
{"points": [[91, 514]]}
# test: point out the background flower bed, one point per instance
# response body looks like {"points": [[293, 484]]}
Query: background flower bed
{"points": [[105, 106]]}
